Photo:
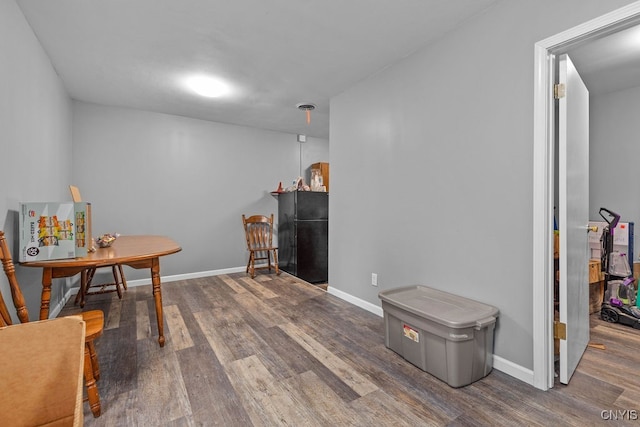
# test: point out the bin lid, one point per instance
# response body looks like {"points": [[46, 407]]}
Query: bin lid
{"points": [[441, 307]]}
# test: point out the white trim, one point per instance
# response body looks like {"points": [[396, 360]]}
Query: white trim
{"points": [[543, 174], [56, 309], [543, 181], [187, 276], [512, 369], [356, 301]]}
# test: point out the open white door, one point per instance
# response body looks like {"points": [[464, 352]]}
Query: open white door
{"points": [[573, 218]]}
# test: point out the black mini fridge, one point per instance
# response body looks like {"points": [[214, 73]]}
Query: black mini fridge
{"points": [[303, 235]]}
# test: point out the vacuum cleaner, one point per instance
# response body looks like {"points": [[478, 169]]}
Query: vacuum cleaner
{"points": [[619, 305]]}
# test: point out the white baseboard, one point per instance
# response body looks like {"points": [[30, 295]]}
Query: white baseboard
{"points": [[513, 369], [186, 276], [356, 301], [56, 309]]}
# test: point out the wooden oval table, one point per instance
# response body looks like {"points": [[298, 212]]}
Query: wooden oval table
{"points": [[135, 251]]}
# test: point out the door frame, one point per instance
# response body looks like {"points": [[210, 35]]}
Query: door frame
{"points": [[544, 124]]}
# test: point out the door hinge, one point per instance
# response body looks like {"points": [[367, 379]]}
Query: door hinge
{"points": [[559, 330], [559, 91]]}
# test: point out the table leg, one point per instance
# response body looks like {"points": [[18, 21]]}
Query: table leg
{"points": [[84, 278], [46, 293], [157, 296]]}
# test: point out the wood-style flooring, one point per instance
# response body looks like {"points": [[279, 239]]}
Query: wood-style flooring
{"points": [[276, 351]]}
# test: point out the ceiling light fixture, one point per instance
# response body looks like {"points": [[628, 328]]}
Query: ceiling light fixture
{"points": [[210, 87], [307, 107]]}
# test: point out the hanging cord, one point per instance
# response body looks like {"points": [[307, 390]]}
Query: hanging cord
{"points": [[300, 144]]}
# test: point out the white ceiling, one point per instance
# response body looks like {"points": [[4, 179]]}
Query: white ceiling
{"points": [[275, 53]]}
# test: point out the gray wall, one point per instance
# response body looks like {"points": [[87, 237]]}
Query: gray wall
{"points": [[432, 168], [35, 137], [615, 156], [150, 173]]}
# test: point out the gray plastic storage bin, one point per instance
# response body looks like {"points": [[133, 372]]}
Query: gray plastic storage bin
{"points": [[446, 335]]}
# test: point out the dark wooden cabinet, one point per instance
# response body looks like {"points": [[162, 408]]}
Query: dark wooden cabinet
{"points": [[303, 235]]}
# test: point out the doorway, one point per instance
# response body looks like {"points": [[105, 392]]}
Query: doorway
{"points": [[544, 176]]}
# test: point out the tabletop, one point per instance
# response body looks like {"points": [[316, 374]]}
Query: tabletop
{"points": [[124, 250]]}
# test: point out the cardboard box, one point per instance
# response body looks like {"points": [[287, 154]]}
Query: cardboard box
{"points": [[623, 237], [76, 197], [595, 273], [596, 295], [53, 230], [323, 169]]}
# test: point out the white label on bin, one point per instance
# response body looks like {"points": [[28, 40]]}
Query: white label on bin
{"points": [[411, 333], [458, 336]]}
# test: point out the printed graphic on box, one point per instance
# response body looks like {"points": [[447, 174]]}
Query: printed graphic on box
{"points": [[81, 241], [52, 231]]}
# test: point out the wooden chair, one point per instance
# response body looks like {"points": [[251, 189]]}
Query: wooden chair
{"points": [[119, 283], [94, 320], [258, 231]]}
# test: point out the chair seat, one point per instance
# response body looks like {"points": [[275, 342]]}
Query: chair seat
{"points": [[94, 320], [95, 323]]}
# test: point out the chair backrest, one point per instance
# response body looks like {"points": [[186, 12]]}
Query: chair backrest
{"points": [[258, 230], [16, 293]]}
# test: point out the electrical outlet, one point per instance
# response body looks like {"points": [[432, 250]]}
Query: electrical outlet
{"points": [[374, 279]]}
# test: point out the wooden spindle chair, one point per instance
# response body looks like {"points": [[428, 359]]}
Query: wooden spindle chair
{"points": [[94, 320], [258, 231]]}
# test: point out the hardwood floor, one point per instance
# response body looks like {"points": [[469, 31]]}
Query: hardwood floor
{"points": [[275, 351]]}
